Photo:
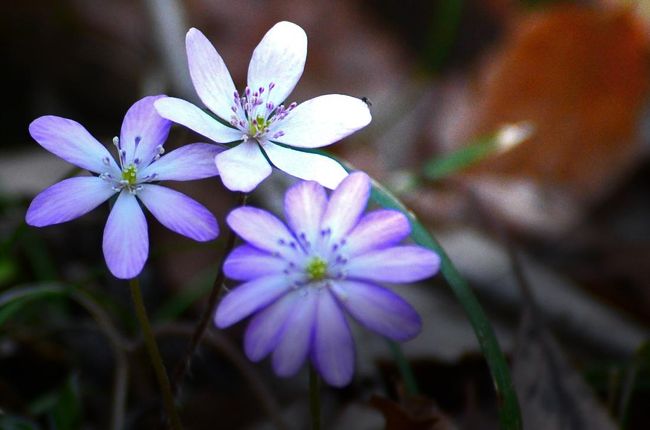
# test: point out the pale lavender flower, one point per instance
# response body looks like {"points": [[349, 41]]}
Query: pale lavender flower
{"points": [[139, 149], [259, 119], [303, 277]]}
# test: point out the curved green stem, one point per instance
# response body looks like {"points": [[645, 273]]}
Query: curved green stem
{"points": [[509, 413], [154, 355]]}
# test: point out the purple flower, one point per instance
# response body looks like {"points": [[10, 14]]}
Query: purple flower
{"points": [[258, 118], [139, 148], [301, 278]]}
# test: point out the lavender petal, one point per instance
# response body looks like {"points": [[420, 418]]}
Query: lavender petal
{"points": [[143, 131], [264, 330], [293, 347], [262, 230], [246, 262], [179, 213], [394, 264], [68, 200], [379, 309], [304, 206], [187, 163], [333, 347], [70, 141], [126, 240], [249, 298], [378, 229], [346, 205]]}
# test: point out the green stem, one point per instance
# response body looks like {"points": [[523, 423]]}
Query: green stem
{"points": [[410, 383], [204, 321], [154, 355], [509, 413], [314, 398]]}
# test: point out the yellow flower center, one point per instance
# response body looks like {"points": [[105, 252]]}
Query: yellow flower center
{"points": [[317, 269], [129, 174]]}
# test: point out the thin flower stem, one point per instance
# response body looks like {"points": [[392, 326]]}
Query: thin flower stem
{"points": [[181, 368], [314, 398], [410, 383], [154, 355]]}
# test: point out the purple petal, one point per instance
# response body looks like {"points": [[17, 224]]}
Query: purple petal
{"points": [[249, 298], [179, 213], [143, 131], [377, 229], [243, 167], [126, 240], [305, 165], [379, 309], [189, 162], [295, 341], [261, 229], [264, 330], [333, 347], [69, 140], [68, 200], [192, 117], [346, 205], [394, 264], [245, 263], [209, 74], [322, 121], [304, 205], [280, 59]]}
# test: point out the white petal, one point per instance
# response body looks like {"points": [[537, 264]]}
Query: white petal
{"points": [[192, 117], [322, 121], [304, 165], [243, 167], [279, 58], [126, 240], [209, 74]]}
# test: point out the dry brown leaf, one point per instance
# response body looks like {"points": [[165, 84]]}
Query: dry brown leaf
{"points": [[580, 75], [412, 413]]}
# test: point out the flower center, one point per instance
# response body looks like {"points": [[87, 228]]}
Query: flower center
{"points": [[129, 175], [317, 269], [254, 113], [258, 126]]}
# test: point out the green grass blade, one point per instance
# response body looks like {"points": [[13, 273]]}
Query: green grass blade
{"points": [[509, 413]]}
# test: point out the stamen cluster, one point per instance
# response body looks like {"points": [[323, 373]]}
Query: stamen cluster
{"points": [[254, 113]]}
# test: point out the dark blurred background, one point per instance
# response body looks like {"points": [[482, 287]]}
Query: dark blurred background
{"points": [[553, 232]]}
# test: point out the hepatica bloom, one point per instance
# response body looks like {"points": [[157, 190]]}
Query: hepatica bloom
{"points": [[140, 164], [303, 277], [258, 119]]}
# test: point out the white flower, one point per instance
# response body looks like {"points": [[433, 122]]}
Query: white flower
{"points": [[258, 120]]}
